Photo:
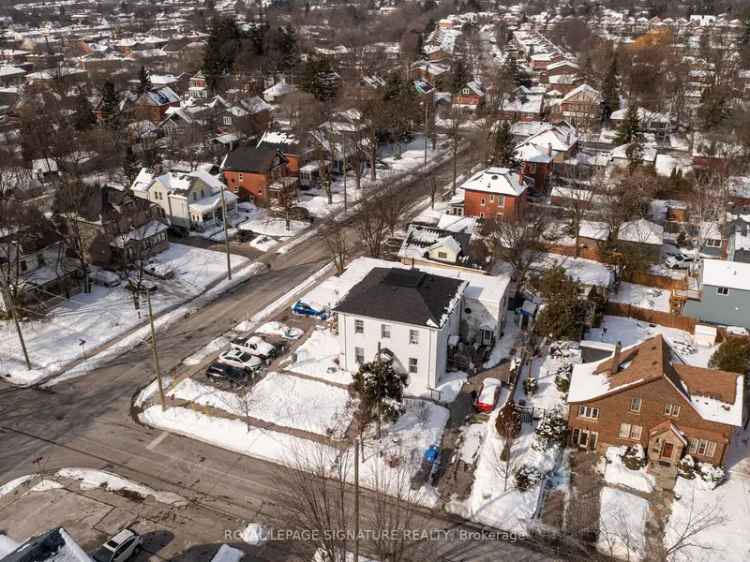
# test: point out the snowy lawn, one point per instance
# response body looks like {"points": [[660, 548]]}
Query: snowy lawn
{"points": [[504, 345], [275, 227], [615, 472], [586, 272], [82, 324], [622, 524], [318, 357], [386, 463], [281, 399], [727, 508], [629, 331], [450, 386], [641, 296], [543, 371]]}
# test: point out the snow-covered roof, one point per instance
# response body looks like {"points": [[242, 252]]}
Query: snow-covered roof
{"points": [[147, 230], [143, 180], [730, 274], [641, 231], [500, 181], [586, 272]]}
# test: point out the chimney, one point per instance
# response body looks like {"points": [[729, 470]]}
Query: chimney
{"points": [[616, 357], [567, 138], [520, 177], [549, 149]]}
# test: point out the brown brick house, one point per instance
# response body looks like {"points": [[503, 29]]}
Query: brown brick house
{"points": [[644, 395], [258, 174], [494, 193]]}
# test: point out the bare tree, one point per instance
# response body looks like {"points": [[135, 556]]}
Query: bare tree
{"points": [[333, 234], [683, 536], [455, 120], [507, 426]]}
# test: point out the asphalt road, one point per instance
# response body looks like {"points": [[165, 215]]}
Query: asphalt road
{"points": [[87, 422]]}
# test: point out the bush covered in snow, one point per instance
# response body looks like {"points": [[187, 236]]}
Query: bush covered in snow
{"points": [[686, 468], [530, 385], [527, 476], [634, 457], [562, 377], [551, 430], [712, 474]]}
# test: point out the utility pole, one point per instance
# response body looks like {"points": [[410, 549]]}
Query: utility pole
{"points": [[356, 499], [12, 309], [425, 132], [226, 234], [154, 352]]}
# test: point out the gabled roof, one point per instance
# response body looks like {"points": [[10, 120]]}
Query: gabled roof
{"points": [[582, 89], [715, 395], [410, 296]]}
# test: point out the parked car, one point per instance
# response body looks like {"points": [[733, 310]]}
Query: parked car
{"points": [[257, 346], [678, 261], [223, 372], [301, 308], [241, 360], [105, 278], [159, 270], [487, 397], [120, 547]]}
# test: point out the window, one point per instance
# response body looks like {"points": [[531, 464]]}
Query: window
{"points": [[702, 447], [442, 255], [628, 431], [413, 337], [482, 201], [492, 198], [385, 331], [481, 215], [359, 326], [359, 355], [723, 291], [672, 410], [239, 178], [588, 412], [413, 365], [227, 120], [585, 439], [501, 200], [713, 243], [635, 405]]}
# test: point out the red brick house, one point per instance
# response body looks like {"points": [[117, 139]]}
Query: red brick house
{"points": [[260, 175], [152, 105], [645, 395], [494, 193], [581, 106], [470, 96], [540, 152]]}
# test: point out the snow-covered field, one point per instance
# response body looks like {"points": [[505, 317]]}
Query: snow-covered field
{"points": [[622, 524], [83, 323], [284, 400], [317, 357], [641, 296], [629, 331], [277, 227], [615, 472]]}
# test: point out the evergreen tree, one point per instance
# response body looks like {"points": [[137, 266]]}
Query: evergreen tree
{"points": [[629, 130], [459, 76], [610, 95], [512, 71], [564, 313], [110, 103], [381, 389], [504, 153], [286, 46], [319, 79], [419, 50], [130, 165], [144, 79], [85, 118], [733, 355], [221, 50]]}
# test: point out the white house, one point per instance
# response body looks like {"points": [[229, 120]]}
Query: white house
{"points": [[414, 314], [190, 200]]}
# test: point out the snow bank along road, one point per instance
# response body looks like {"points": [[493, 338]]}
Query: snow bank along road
{"points": [[87, 422]]}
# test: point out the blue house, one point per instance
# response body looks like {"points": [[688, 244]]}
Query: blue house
{"points": [[724, 296]]}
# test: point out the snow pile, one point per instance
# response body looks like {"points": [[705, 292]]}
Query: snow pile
{"points": [[616, 473], [13, 485], [254, 534], [7, 545], [318, 357], [450, 386], [622, 524], [92, 479], [46, 485]]}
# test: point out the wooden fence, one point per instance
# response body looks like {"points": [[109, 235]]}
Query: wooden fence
{"points": [[667, 319]]}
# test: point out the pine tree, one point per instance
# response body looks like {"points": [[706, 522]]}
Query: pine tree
{"points": [[130, 165], [504, 153], [512, 71], [629, 130], [610, 95], [319, 79], [144, 79], [221, 50], [84, 117], [381, 389], [459, 76], [110, 104]]}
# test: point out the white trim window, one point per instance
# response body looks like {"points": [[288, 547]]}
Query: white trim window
{"points": [[413, 365], [713, 243], [414, 337], [588, 412], [482, 202], [672, 410], [385, 331], [702, 447], [631, 432], [359, 355], [635, 405], [722, 291], [359, 326], [585, 439]]}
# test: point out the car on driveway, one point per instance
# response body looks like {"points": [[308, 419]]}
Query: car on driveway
{"points": [[241, 360], [120, 547], [301, 308], [159, 270], [218, 371], [678, 261], [257, 346], [487, 397]]}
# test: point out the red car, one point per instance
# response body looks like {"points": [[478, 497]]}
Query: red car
{"points": [[487, 397]]}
